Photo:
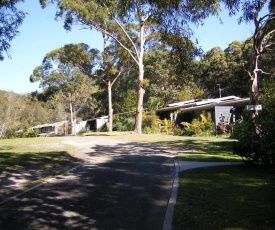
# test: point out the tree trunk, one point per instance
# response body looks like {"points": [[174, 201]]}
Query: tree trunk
{"points": [[141, 91], [110, 118], [72, 119], [254, 88]]}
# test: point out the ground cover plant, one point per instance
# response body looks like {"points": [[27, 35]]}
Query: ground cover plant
{"points": [[226, 197], [41, 154], [189, 148]]}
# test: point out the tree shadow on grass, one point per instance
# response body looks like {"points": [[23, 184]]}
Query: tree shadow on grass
{"points": [[225, 197], [19, 169], [203, 147], [128, 190], [97, 135]]}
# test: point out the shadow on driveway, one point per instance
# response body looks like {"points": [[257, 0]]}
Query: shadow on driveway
{"points": [[128, 189]]}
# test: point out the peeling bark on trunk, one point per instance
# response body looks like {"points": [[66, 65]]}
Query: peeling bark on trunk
{"points": [[141, 91], [110, 118], [254, 87]]}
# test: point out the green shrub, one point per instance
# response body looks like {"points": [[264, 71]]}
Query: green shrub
{"points": [[198, 128], [123, 124], [31, 133], [10, 134], [129, 124], [117, 126], [177, 131], [166, 126], [256, 135], [147, 130], [150, 122], [256, 140]]}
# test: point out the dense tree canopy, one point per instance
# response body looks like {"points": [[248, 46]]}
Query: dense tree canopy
{"points": [[224, 69]]}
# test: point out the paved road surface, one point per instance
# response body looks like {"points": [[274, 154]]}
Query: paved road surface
{"points": [[120, 186]]}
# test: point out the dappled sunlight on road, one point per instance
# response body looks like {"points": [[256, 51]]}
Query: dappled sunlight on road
{"points": [[119, 186]]}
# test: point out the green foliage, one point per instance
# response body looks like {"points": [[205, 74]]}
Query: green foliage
{"points": [[20, 112], [225, 67], [121, 123], [199, 128], [191, 92], [128, 101], [151, 122], [31, 133], [10, 20], [11, 134], [177, 131], [166, 126], [65, 75], [256, 135]]}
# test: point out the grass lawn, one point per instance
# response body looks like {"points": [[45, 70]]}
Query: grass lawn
{"points": [[226, 197], [43, 153], [207, 149]]}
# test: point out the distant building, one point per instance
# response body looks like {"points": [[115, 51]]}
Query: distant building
{"points": [[52, 129], [96, 123], [188, 110]]}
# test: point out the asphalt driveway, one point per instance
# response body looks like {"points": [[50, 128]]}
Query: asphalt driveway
{"points": [[120, 186]]}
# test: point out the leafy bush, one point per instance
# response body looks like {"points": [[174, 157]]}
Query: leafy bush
{"points": [[147, 130], [123, 123], [150, 122], [177, 131], [197, 127], [256, 139], [11, 134], [166, 126], [31, 133], [117, 126], [256, 135]]}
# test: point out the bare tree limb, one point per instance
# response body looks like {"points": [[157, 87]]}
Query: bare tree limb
{"points": [[119, 73], [263, 72]]}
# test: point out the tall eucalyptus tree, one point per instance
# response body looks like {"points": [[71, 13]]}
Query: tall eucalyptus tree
{"points": [[123, 19], [263, 41], [62, 75]]}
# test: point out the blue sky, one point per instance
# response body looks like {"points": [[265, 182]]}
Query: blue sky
{"points": [[40, 34]]}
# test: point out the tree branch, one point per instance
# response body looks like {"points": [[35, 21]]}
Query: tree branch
{"points": [[127, 35], [119, 73], [112, 36], [261, 71]]}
